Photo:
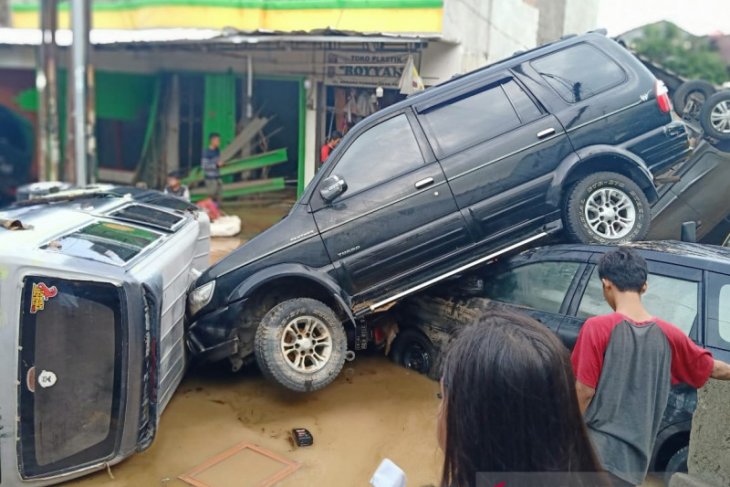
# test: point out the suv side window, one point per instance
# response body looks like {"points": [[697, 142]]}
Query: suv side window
{"points": [[378, 154], [460, 123], [671, 299], [541, 286], [579, 72]]}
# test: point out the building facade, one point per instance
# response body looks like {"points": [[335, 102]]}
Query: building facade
{"points": [[307, 67]]}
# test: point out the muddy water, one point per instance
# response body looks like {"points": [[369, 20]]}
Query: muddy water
{"points": [[374, 410]]}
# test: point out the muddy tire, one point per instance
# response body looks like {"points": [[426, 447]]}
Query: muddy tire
{"points": [[677, 464], [300, 344], [690, 96], [606, 208], [413, 350], [715, 116]]}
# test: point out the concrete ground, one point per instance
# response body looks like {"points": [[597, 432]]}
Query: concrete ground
{"points": [[374, 410]]}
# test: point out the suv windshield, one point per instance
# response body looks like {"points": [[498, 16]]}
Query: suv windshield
{"points": [[111, 243]]}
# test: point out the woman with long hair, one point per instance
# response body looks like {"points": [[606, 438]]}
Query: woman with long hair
{"points": [[509, 406]]}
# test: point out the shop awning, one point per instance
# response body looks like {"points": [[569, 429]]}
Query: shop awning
{"points": [[210, 37]]}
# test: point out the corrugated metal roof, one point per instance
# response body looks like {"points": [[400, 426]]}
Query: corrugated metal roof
{"points": [[212, 37]]}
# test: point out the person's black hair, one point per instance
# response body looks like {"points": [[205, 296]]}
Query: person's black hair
{"points": [[212, 135], [510, 403], [175, 174], [335, 135], [625, 268]]}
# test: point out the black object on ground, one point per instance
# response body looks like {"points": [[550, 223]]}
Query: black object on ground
{"points": [[302, 437]]}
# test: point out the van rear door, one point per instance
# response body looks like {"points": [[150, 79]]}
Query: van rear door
{"points": [[70, 374]]}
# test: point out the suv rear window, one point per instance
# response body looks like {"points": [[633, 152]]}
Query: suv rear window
{"points": [[579, 72], [111, 243]]}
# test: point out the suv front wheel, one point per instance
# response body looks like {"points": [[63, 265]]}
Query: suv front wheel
{"points": [[301, 345], [606, 207]]}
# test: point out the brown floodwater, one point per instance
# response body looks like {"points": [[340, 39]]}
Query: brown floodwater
{"points": [[374, 410]]}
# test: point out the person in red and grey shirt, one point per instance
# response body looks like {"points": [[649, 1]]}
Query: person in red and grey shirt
{"points": [[625, 364]]}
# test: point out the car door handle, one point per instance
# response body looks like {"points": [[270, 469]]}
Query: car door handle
{"points": [[546, 133], [423, 183]]}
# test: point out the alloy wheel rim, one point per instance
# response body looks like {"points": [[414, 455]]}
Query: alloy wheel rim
{"points": [[610, 213], [306, 344], [720, 117]]}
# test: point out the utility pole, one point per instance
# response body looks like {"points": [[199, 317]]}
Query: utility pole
{"points": [[82, 122], [5, 14], [47, 86]]}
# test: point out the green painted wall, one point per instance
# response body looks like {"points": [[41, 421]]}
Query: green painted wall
{"points": [[119, 96], [262, 4]]}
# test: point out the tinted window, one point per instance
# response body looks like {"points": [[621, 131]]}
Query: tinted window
{"points": [[724, 313], [147, 216], [112, 243], [526, 108], [70, 375], [464, 122], [671, 299], [541, 286], [383, 151], [579, 72]]}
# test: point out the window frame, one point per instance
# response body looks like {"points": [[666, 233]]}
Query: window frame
{"points": [[572, 46], [715, 282], [316, 202], [663, 269], [569, 293]]}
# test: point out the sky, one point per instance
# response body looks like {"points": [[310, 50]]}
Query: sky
{"points": [[700, 17]]}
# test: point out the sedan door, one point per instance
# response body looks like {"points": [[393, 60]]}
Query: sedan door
{"points": [[539, 289], [674, 295], [396, 217]]}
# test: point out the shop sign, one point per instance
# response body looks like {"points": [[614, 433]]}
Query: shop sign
{"points": [[365, 69]]}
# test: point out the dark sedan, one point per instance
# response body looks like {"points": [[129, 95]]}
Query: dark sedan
{"points": [[689, 285]]}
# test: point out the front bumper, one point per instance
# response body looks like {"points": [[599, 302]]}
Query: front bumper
{"points": [[212, 336]]}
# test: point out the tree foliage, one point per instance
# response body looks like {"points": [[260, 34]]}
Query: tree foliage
{"points": [[689, 56]]}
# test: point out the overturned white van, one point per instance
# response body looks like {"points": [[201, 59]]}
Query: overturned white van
{"points": [[92, 298]]}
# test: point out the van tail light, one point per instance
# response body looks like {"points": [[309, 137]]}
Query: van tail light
{"points": [[662, 97]]}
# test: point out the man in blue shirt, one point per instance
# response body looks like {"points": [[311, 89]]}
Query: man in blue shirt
{"points": [[211, 164]]}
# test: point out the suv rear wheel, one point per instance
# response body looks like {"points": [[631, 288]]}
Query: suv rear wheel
{"points": [[301, 344], [606, 207]]}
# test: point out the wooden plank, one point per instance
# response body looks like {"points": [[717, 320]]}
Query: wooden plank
{"points": [[234, 167], [243, 188]]}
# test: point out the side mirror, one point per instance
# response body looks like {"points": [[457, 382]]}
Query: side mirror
{"points": [[332, 187]]}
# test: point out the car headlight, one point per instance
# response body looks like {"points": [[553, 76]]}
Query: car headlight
{"points": [[200, 297]]}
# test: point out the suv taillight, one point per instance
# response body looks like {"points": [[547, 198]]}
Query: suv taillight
{"points": [[662, 97]]}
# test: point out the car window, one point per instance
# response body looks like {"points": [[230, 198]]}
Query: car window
{"points": [[723, 319], [468, 120], [378, 154], [523, 104], [111, 243], [671, 299], [542, 285], [579, 72]]}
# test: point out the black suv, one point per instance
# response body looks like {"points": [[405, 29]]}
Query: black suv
{"points": [[566, 136]]}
